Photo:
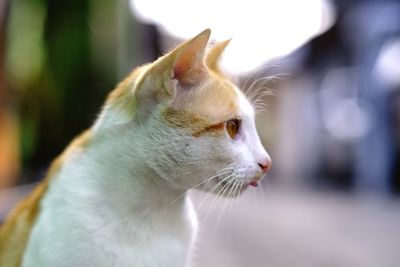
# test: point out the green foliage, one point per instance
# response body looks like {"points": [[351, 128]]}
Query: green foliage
{"points": [[51, 71]]}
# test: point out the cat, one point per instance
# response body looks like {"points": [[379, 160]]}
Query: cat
{"points": [[112, 198]]}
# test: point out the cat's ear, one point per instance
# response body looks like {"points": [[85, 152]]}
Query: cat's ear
{"points": [[185, 64], [189, 67], [180, 70], [214, 55]]}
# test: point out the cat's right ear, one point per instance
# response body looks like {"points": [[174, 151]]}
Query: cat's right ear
{"points": [[214, 55]]}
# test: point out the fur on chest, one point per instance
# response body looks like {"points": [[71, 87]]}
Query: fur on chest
{"points": [[78, 233]]}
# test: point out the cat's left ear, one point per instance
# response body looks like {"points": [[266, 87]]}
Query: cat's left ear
{"points": [[184, 65], [180, 70], [214, 55], [188, 67]]}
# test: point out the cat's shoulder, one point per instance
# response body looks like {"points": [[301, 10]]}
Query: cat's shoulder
{"points": [[15, 231]]}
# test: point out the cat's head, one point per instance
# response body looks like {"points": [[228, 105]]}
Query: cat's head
{"points": [[188, 123]]}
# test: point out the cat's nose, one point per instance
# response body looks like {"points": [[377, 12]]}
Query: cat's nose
{"points": [[265, 165]]}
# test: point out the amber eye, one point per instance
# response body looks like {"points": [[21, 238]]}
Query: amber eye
{"points": [[232, 127]]}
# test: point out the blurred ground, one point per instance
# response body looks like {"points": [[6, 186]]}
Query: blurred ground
{"points": [[300, 228]]}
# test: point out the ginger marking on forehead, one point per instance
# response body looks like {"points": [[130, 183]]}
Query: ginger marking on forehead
{"points": [[193, 124], [181, 119], [215, 129]]}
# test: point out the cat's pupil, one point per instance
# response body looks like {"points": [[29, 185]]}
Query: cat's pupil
{"points": [[232, 127]]}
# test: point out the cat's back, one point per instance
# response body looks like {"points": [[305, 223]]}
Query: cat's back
{"points": [[16, 230]]}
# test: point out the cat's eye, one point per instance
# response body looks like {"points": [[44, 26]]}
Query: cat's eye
{"points": [[232, 127]]}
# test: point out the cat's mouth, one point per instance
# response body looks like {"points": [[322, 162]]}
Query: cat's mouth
{"points": [[254, 182]]}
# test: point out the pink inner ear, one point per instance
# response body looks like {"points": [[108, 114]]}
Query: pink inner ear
{"points": [[189, 68], [182, 66], [188, 74]]}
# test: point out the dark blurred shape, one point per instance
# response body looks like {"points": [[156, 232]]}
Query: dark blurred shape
{"points": [[395, 115], [58, 89], [339, 127], [328, 52], [62, 59], [370, 26], [9, 157]]}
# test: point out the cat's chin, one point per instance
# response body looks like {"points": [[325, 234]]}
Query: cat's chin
{"points": [[233, 188], [228, 189]]}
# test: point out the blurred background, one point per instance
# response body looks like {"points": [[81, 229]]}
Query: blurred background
{"points": [[331, 126]]}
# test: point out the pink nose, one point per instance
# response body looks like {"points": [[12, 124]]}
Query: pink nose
{"points": [[265, 166]]}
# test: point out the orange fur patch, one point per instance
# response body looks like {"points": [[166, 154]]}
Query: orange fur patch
{"points": [[203, 110], [216, 100], [15, 232], [194, 124], [212, 129]]}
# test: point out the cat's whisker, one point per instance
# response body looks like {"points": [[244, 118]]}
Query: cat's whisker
{"points": [[256, 72], [231, 199], [209, 193], [267, 91], [228, 196], [225, 171], [214, 203], [264, 79], [225, 202], [253, 196], [252, 93], [265, 94], [260, 109], [220, 172], [214, 188], [229, 169], [259, 98], [250, 77], [260, 93], [233, 195], [259, 101], [234, 198], [255, 88], [261, 105], [242, 186]]}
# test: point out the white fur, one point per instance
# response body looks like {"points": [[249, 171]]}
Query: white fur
{"points": [[116, 202]]}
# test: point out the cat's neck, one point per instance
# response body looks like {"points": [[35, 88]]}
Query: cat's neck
{"points": [[122, 185], [101, 197]]}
